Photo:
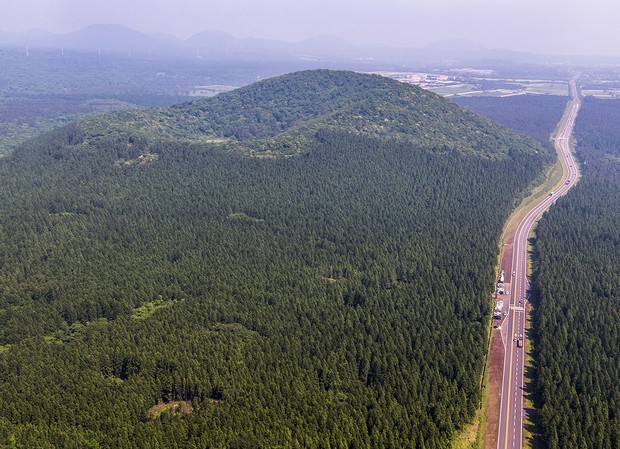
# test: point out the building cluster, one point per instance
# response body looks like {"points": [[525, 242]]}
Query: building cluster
{"points": [[497, 312], [500, 284], [499, 305], [422, 79]]}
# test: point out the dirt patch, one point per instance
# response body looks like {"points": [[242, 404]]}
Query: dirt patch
{"points": [[507, 257], [143, 159], [182, 408], [332, 280]]}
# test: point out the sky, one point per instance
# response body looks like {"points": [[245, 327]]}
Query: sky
{"points": [[585, 27]]}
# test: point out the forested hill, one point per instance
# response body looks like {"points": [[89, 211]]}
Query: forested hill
{"points": [[282, 114], [165, 293]]}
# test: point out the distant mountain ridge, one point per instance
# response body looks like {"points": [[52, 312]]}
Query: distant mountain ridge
{"points": [[218, 44]]}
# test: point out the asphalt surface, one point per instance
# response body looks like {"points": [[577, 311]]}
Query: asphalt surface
{"points": [[513, 326]]}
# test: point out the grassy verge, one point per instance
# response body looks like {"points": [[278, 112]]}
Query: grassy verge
{"points": [[532, 438], [472, 436]]}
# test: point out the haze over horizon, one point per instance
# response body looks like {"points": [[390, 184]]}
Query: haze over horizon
{"points": [[577, 27]]}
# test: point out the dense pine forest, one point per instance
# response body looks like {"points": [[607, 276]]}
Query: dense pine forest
{"points": [[578, 289], [534, 115], [315, 276]]}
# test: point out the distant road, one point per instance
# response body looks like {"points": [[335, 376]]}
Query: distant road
{"points": [[513, 328]]}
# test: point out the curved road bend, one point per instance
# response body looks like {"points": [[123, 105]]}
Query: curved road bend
{"points": [[513, 327]]}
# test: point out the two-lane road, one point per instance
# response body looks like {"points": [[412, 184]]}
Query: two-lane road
{"points": [[513, 328]]}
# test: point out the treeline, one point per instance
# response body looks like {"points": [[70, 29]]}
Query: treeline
{"points": [[334, 299], [578, 290], [596, 126], [26, 116]]}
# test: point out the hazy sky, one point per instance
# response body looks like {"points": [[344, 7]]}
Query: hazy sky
{"points": [[543, 26]]}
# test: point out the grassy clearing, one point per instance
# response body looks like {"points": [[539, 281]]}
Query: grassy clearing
{"points": [[182, 408], [332, 280], [233, 330], [149, 308], [72, 332], [547, 88], [144, 158]]}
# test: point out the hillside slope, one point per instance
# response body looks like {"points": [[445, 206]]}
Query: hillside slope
{"points": [[166, 293], [283, 113]]}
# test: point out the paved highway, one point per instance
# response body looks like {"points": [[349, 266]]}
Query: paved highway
{"points": [[513, 327]]}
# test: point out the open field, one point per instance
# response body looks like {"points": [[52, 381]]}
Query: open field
{"points": [[611, 94], [209, 91], [456, 89], [546, 88], [450, 83]]}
